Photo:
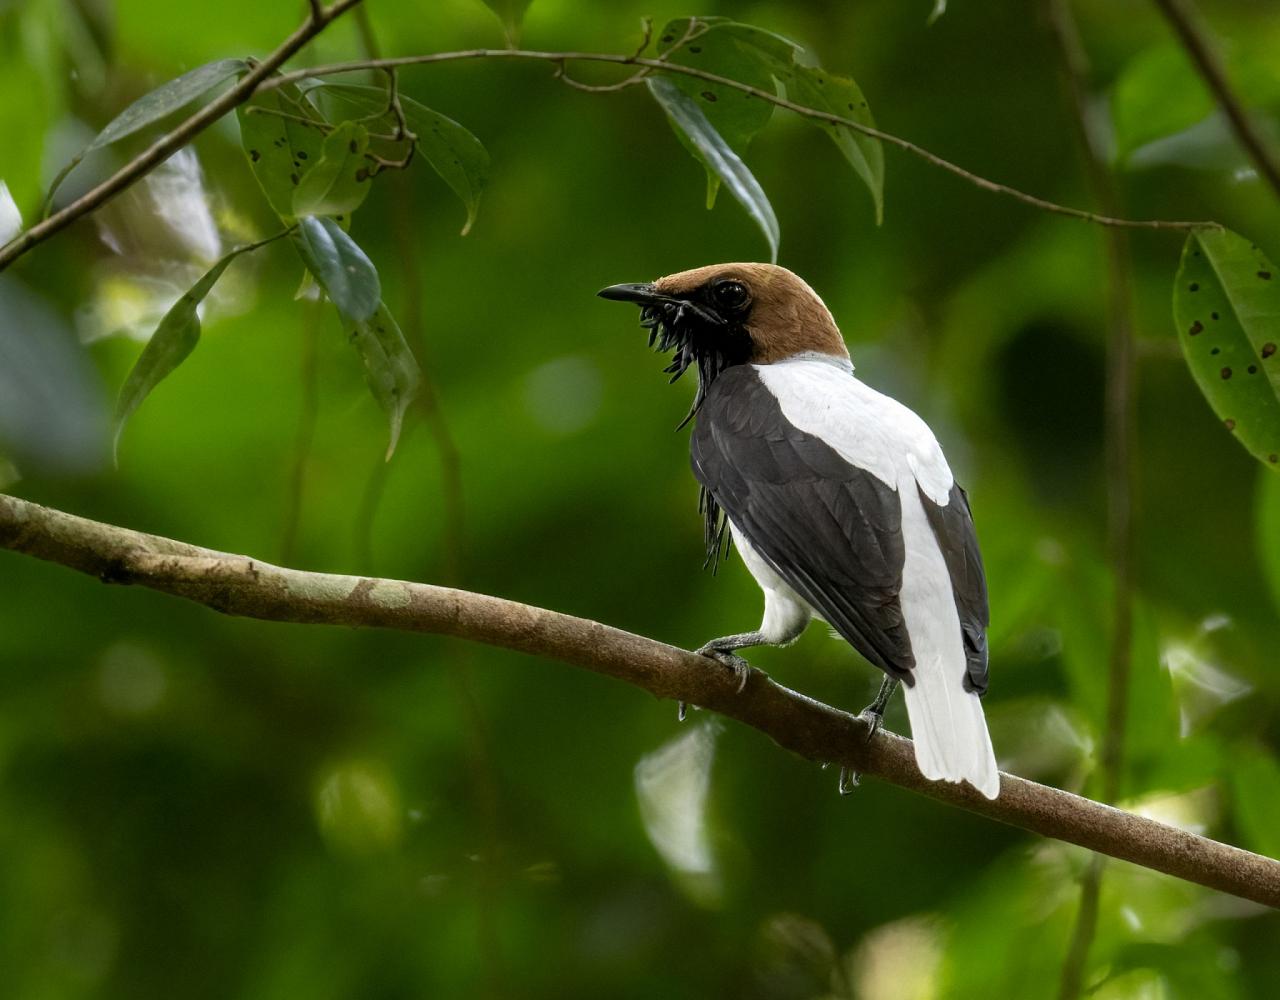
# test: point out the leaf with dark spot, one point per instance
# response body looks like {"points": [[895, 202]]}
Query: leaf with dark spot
{"points": [[390, 369], [452, 151], [273, 144], [815, 88], [1218, 277], [338, 183]]}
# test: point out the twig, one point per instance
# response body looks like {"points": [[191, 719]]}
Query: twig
{"points": [[560, 58], [239, 585], [1120, 421], [168, 144], [1182, 17]]}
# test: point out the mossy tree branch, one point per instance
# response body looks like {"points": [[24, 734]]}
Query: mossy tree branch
{"points": [[240, 585]]}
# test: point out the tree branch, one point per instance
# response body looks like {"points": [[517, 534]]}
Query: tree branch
{"points": [[239, 585], [164, 147], [560, 58], [1120, 447], [1181, 16]]}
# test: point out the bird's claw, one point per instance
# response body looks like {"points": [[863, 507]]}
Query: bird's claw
{"points": [[873, 721], [848, 780], [682, 711], [740, 667]]}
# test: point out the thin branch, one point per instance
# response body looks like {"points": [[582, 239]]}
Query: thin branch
{"points": [[171, 142], [1184, 20], [242, 586], [559, 59], [1120, 447]]}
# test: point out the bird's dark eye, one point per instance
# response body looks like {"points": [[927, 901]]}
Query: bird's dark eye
{"points": [[730, 294]]}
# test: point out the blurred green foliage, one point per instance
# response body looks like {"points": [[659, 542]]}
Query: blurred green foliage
{"points": [[203, 807]]}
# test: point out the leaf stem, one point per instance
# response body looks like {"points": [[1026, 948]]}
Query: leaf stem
{"points": [[559, 59]]}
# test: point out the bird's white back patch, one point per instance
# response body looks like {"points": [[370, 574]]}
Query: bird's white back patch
{"points": [[866, 428]]}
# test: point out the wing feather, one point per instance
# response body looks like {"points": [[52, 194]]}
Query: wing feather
{"points": [[831, 530]]}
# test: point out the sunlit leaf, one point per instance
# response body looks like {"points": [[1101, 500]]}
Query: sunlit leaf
{"points": [[172, 343], [158, 104], [280, 150], [687, 118], [342, 269], [339, 182], [390, 368], [452, 151], [735, 51], [1255, 792], [838, 95], [939, 8], [1226, 303]]}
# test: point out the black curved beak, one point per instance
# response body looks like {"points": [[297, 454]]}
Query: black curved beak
{"points": [[643, 295]]}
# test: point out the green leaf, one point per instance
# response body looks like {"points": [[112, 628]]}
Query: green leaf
{"points": [[280, 150], [1226, 304], [687, 119], [838, 95], [339, 182], [389, 365], [172, 343], [351, 282], [347, 276], [736, 51], [756, 57], [453, 152], [150, 108], [1255, 791], [168, 98], [511, 14], [1160, 96]]}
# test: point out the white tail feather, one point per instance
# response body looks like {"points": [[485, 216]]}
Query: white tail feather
{"points": [[950, 731]]}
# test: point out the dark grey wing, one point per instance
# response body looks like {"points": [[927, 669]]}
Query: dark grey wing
{"points": [[832, 531], [953, 528]]}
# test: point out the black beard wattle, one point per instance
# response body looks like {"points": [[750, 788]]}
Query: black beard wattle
{"points": [[700, 337]]}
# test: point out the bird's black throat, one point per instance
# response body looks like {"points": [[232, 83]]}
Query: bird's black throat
{"points": [[701, 337]]}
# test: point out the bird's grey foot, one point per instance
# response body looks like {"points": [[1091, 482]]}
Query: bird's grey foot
{"points": [[682, 711], [721, 650], [873, 714]]}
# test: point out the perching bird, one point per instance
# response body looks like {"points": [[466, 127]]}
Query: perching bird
{"points": [[838, 497]]}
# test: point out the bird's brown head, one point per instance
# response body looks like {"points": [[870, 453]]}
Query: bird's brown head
{"points": [[731, 314]]}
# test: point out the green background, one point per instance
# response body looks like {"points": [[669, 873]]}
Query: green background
{"points": [[193, 806]]}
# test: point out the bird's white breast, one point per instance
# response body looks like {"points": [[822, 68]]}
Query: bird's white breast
{"points": [[866, 428]]}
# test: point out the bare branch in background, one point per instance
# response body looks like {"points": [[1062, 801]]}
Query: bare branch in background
{"points": [[1120, 448], [1184, 20], [239, 585]]}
